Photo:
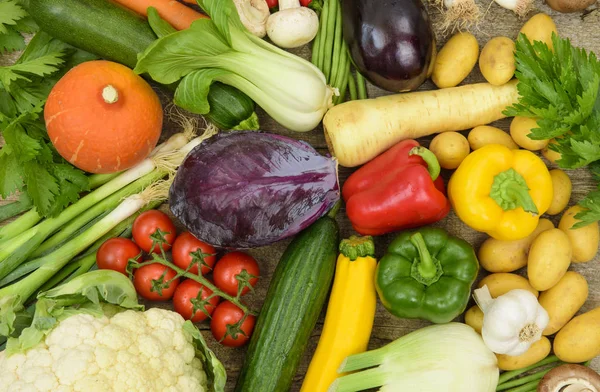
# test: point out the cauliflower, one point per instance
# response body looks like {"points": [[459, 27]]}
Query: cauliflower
{"points": [[97, 347], [132, 351]]}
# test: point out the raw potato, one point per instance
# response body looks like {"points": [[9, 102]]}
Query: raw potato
{"points": [[456, 60], [549, 154], [549, 258], [450, 148], [585, 240], [497, 60], [520, 127], [501, 283], [484, 134], [567, 6], [579, 340], [538, 351], [540, 28], [561, 183], [564, 300], [508, 256], [474, 318]]}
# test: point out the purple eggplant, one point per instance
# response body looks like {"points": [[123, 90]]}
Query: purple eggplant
{"points": [[248, 189], [391, 41]]}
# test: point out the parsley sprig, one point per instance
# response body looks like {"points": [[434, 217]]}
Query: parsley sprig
{"points": [[561, 87]]}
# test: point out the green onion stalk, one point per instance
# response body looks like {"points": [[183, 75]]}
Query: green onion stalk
{"points": [[141, 192], [15, 208], [13, 253]]}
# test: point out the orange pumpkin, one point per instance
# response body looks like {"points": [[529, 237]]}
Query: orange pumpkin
{"points": [[102, 117]]}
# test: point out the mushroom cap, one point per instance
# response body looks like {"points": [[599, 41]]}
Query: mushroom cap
{"points": [[293, 27], [570, 374]]}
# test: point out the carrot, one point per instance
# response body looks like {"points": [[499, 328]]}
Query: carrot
{"points": [[177, 14], [358, 131]]}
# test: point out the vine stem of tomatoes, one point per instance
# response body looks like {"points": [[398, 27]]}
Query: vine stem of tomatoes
{"points": [[159, 239]]}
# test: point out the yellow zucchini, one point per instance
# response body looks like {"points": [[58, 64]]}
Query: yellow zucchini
{"points": [[350, 313]]}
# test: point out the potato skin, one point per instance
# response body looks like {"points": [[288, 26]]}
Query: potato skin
{"points": [[455, 60], [540, 28], [549, 154], [474, 318], [538, 351], [584, 240], [497, 60], [484, 134], [501, 283], [564, 300], [561, 183], [579, 340], [450, 148], [568, 6], [549, 258], [520, 127], [508, 256]]}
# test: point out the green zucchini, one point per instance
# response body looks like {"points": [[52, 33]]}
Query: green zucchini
{"points": [[294, 301], [117, 34]]}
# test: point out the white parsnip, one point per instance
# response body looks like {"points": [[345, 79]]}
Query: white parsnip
{"points": [[358, 131]]}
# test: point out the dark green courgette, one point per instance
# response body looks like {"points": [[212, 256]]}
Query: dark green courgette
{"points": [[294, 301], [114, 33]]}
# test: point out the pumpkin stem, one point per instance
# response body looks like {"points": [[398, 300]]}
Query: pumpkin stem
{"points": [[110, 94]]}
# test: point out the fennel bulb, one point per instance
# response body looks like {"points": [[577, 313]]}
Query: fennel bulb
{"points": [[291, 90], [445, 357]]}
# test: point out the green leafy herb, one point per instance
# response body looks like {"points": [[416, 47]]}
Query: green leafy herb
{"points": [[28, 161], [561, 88], [13, 20]]}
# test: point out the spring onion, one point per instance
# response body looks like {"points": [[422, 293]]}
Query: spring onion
{"points": [[445, 357], [290, 89]]}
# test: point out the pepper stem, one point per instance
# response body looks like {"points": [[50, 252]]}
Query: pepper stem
{"points": [[334, 210], [355, 247], [510, 191], [433, 166], [426, 269]]}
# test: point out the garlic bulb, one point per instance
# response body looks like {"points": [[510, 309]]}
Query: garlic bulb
{"points": [[512, 322]]}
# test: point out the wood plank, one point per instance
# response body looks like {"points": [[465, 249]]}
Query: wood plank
{"points": [[497, 21]]}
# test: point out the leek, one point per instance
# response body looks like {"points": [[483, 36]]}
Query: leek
{"points": [[291, 90], [446, 357]]}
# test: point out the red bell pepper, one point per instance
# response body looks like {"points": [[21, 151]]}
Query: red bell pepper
{"points": [[400, 189]]}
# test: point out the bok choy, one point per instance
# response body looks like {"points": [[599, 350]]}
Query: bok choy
{"points": [[291, 90], [445, 357]]}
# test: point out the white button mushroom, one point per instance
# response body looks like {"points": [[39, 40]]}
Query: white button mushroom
{"points": [[253, 15], [293, 25]]}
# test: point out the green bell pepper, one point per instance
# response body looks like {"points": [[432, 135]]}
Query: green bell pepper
{"points": [[426, 274]]}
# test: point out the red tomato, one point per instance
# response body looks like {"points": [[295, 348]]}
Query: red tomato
{"points": [[187, 249], [272, 3], [305, 3], [115, 253], [229, 272], [229, 314], [146, 277], [146, 225], [190, 292]]}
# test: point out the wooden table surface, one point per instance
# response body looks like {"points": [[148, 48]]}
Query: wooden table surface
{"points": [[583, 31]]}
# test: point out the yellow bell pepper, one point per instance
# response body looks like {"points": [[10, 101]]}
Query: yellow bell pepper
{"points": [[350, 313], [501, 191]]}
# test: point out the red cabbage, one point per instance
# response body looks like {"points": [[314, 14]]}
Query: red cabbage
{"points": [[248, 189]]}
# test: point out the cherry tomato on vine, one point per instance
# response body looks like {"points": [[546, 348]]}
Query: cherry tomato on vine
{"points": [[229, 314], [191, 294], [145, 226], [147, 281], [236, 269], [114, 254], [187, 249]]}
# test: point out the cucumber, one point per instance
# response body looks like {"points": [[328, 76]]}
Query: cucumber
{"points": [[117, 34], [294, 301]]}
